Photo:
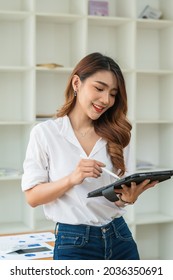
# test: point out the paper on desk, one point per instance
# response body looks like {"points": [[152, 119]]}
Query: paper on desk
{"points": [[32, 253], [34, 240]]}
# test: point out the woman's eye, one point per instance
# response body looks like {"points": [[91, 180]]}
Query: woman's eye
{"points": [[114, 94], [99, 89]]}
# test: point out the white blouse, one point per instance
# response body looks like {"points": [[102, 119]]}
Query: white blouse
{"points": [[53, 152]]}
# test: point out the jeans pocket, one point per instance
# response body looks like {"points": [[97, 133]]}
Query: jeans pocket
{"points": [[70, 240], [123, 232]]}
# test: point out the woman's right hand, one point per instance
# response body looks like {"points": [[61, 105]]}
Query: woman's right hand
{"points": [[86, 168]]}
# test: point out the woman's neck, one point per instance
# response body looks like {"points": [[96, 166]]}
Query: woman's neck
{"points": [[79, 122]]}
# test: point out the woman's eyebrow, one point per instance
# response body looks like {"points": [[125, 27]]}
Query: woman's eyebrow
{"points": [[102, 83]]}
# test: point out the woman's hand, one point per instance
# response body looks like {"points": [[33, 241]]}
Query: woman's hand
{"points": [[131, 194], [86, 168]]}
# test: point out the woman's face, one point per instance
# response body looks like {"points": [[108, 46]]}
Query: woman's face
{"points": [[96, 94]]}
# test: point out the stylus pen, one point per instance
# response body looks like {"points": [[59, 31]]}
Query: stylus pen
{"points": [[105, 169], [110, 173]]}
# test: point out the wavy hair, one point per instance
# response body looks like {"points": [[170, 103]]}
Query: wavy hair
{"points": [[112, 125]]}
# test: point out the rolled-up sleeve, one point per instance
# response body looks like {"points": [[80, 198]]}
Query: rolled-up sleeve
{"points": [[36, 165]]}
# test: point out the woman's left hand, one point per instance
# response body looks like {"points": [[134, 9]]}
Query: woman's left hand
{"points": [[130, 194]]}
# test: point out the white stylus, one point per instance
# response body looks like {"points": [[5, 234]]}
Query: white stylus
{"points": [[104, 169], [110, 173]]}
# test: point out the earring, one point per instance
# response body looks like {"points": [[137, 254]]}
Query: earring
{"points": [[75, 93]]}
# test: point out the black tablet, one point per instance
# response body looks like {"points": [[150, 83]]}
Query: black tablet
{"points": [[109, 190]]}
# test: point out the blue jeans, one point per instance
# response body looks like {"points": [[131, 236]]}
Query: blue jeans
{"points": [[113, 241]]}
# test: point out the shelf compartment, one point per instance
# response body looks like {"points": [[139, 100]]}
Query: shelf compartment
{"points": [[63, 7], [121, 8], [148, 237], [50, 89], [18, 52], [158, 237], [154, 97], [109, 40], [14, 140], [165, 7], [16, 198], [153, 144], [152, 207], [59, 42], [158, 46], [17, 96]]}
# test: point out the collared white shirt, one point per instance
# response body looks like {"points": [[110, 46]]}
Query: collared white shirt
{"points": [[53, 152]]}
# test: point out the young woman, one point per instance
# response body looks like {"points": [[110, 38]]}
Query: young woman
{"points": [[64, 162]]}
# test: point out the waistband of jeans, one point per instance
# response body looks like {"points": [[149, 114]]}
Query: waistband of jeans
{"points": [[90, 229]]}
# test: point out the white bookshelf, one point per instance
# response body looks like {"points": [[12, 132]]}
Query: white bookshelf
{"points": [[39, 31]]}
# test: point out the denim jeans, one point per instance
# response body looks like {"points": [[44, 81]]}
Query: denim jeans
{"points": [[113, 241]]}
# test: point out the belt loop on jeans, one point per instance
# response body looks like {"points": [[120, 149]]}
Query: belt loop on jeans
{"points": [[56, 229], [87, 233]]}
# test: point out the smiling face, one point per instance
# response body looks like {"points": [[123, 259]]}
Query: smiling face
{"points": [[96, 94]]}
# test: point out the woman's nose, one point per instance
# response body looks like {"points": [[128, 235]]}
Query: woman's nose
{"points": [[105, 98]]}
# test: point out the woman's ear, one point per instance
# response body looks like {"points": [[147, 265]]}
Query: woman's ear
{"points": [[76, 82]]}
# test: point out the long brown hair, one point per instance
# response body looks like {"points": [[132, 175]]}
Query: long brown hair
{"points": [[113, 125]]}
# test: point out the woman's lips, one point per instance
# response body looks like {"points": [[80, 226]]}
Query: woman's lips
{"points": [[98, 108]]}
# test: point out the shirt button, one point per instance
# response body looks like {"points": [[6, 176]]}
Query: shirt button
{"points": [[103, 230]]}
